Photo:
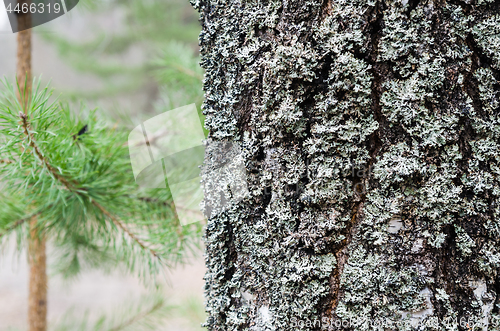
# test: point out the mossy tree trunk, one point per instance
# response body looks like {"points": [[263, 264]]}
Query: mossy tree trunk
{"points": [[370, 132], [37, 300]]}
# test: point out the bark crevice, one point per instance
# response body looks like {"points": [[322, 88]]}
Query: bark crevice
{"points": [[378, 71]]}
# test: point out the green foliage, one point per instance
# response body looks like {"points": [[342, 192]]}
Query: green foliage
{"points": [[192, 310], [81, 188], [153, 53], [179, 74], [165, 30], [147, 314]]}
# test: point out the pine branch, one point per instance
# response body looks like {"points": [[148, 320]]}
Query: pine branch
{"points": [[72, 185], [146, 313], [187, 71], [137, 317], [24, 119], [84, 187], [125, 229], [18, 223], [170, 204]]}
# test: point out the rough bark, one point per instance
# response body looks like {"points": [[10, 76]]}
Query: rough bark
{"points": [[37, 300], [370, 132]]}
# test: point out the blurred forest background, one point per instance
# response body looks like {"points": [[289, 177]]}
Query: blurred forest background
{"points": [[131, 59]]}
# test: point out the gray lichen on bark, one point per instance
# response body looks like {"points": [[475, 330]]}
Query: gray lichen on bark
{"points": [[370, 132]]}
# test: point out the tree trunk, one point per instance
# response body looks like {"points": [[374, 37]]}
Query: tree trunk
{"points": [[370, 132], [24, 54], [37, 301]]}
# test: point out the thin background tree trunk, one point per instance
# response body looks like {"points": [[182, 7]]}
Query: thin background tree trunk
{"points": [[37, 309], [37, 302], [24, 55]]}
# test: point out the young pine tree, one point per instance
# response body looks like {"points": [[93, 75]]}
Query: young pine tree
{"points": [[68, 180]]}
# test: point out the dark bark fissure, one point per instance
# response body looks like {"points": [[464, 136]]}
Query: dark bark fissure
{"points": [[466, 7], [412, 4], [378, 70], [326, 8], [479, 60], [452, 269]]}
